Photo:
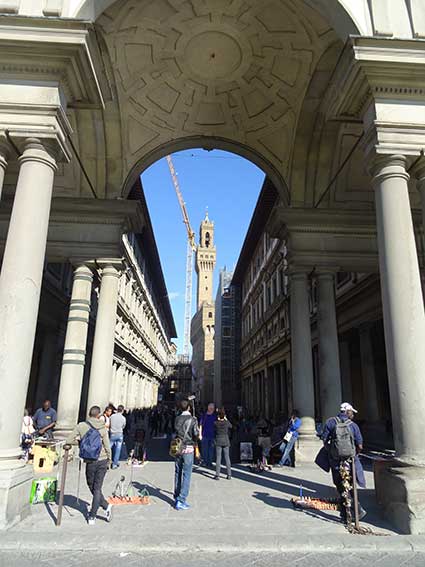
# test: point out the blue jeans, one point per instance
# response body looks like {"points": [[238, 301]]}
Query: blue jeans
{"points": [[287, 448], [116, 444], [183, 474], [207, 450]]}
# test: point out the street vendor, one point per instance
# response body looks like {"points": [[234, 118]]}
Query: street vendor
{"points": [[44, 420], [327, 459]]}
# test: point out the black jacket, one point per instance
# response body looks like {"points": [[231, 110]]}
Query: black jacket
{"points": [[188, 434], [222, 429]]}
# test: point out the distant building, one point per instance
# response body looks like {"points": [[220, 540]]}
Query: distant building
{"points": [[227, 389], [202, 326]]}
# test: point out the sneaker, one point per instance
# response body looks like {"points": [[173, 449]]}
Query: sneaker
{"points": [[182, 505], [91, 521], [229, 477], [108, 513], [216, 477]]}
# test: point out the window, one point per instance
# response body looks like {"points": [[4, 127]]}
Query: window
{"points": [[210, 314], [227, 331], [207, 240]]}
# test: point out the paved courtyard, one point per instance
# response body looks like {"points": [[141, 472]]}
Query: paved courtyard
{"points": [[247, 519]]}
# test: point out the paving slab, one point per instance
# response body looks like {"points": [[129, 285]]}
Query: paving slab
{"points": [[250, 513]]}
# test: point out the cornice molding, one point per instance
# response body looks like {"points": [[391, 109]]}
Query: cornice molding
{"points": [[379, 81], [34, 48]]}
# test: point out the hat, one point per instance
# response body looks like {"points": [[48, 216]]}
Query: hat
{"points": [[347, 407]]}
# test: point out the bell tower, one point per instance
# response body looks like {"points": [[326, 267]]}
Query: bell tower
{"points": [[205, 262]]}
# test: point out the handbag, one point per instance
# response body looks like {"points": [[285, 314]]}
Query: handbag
{"points": [[288, 436], [177, 446]]}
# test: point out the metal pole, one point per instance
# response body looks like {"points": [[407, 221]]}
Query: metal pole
{"points": [[356, 496], [62, 486]]}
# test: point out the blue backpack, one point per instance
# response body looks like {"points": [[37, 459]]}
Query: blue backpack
{"points": [[90, 444]]}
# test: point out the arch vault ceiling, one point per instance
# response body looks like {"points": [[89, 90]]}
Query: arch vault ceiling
{"points": [[219, 68]]}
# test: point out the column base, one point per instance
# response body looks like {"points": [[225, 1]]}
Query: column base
{"points": [[306, 449], [15, 487], [400, 491]]}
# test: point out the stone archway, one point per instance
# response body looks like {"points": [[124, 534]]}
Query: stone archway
{"points": [[231, 76], [207, 143]]}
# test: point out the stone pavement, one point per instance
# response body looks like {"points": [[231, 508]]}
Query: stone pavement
{"points": [[250, 514]]}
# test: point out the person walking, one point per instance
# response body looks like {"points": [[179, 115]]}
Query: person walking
{"points": [[289, 440], [207, 434], [117, 423], [222, 443], [187, 430], [95, 449], [343, 441]]}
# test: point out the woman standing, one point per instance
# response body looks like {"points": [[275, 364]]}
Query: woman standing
{"points": [[222, 443]]}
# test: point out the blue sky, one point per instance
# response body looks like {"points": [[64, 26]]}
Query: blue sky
{"points": [[225, 183]]}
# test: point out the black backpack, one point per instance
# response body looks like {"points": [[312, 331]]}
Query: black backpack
{"points": [[342, 445]]}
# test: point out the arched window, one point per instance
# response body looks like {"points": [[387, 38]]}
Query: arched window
{"points": [[207, 240]]}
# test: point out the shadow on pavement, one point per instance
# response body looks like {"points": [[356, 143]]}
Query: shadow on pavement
{"points": [[155, 492]]}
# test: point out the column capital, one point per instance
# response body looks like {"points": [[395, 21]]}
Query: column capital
{"points": [[326, 274], [83, 272], [41, 151], [299, 273], [116, 264], [384, 167]]}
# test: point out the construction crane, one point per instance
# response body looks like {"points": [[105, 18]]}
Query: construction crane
{"points": [[191, 247]]}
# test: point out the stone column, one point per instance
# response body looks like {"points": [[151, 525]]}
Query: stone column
{"points": [[330, 375], [302, 365], [403, 309], [104, 339], [20, 286], [74, 354], [345, 360], [368, 374], [4, 154]]}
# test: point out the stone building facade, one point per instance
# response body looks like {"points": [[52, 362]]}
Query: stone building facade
{"points": [[202, 327], [260, 275], [227, 388]]}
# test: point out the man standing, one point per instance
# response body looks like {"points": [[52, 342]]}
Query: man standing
{"points": [[116, 430], [186, 429], [339, 432], [44, 420], [96, 452], [207, 434]]}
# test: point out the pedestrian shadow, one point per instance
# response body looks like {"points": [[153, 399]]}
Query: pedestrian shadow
{"points": [[270, 500], [155, 492], [283, 486]]}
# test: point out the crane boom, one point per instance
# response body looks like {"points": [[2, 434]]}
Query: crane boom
{"points": [[190, 233], [191, 246]]}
